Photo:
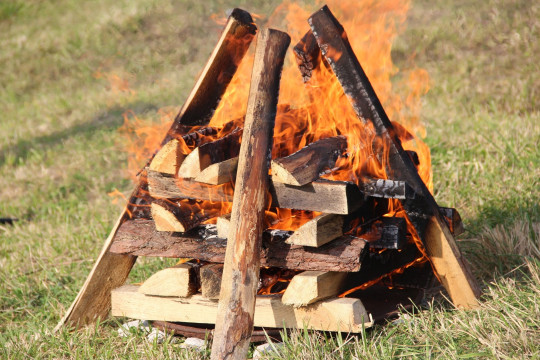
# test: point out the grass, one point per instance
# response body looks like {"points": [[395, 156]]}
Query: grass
{"points": [[59, 158]]}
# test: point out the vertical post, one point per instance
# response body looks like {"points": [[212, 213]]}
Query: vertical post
{"points": [[234, 323]]}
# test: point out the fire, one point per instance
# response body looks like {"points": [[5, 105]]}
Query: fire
{"points": [[319, 108]]}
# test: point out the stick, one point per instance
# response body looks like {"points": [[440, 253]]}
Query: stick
{"points": [[335, 47], [217, 74], [234, 323]]}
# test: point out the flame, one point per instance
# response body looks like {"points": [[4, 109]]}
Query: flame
{"points": [[319, 108]]}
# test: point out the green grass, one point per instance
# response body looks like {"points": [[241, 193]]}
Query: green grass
{"points": [[59, 156]]}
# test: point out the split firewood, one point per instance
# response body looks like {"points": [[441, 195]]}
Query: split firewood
{"points": [[318, 231], [169, 187], [334, 197], [449, 264], [328, 196], [393, 234], [176, 281], [168, 159], [337, 314], [307, 164], [234, 322], [174, 216], [308, 55], [140, 237], [219, 173], [388, 189], [223, 224], [211, 276], [311, 286], [210, 153]]}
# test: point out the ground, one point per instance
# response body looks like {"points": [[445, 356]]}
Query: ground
{"points": [[70, 69]]}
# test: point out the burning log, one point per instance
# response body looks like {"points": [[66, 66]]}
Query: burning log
{"points": [[234, 322], [449, 264], [311, 286], [334, 197], [210, 153], [338, 314], [110, 271], [172, 216], [211, 276], [388, 189], [217, 74], [308, 55], [318, 231], [139, 237], [307, 164], [178, 281], [219, 173], [393, 234]]}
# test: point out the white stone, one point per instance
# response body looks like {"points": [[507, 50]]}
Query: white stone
{"points": [[143, 325], [194, 343], [266, 349]]}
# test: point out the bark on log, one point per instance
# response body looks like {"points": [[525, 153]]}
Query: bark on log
{"points": [[234, 323], [139, 237], [210, 153], [306, 165], [178, 281], [335, 47], [333, 197], [318, 231], [217, 74], [311, 286]]}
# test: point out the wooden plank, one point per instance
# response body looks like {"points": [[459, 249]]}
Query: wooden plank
{"points": [[213, 152], [219, 173], [311, 286], [337, 314], [139, 237], [393, 234], [223, 225], [178, 281], [333, 197], [318, 231], [110, 270], [93, 300], [211, 276], [218, 72], [234, 323], [335, 47], [388, 189], [307, 164], [453, 219]]}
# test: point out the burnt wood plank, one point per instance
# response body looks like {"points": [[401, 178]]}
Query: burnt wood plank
{"points": [[440, 245], [307, 164], [140, 237]]}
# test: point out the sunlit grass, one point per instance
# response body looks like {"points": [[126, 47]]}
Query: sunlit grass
{"points": [[60, 156]]}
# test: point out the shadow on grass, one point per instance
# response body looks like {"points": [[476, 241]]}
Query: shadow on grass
{"points": [[108, 120]]}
